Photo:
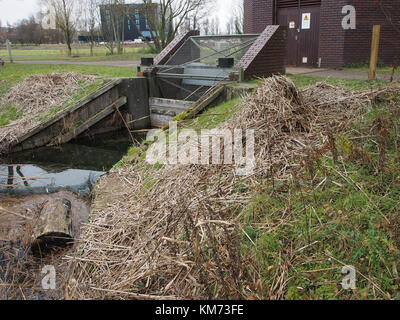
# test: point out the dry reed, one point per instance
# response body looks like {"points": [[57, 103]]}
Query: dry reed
{"points": [[174, 232], [35, 97]]}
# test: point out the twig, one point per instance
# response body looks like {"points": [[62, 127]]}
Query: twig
{"points": [[15, 214]]}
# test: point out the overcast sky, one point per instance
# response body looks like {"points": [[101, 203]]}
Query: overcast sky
{"points": [[14, 10]]}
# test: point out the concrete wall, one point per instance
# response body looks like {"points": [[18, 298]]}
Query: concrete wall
{"points": [[94, 115], [137, 92]]}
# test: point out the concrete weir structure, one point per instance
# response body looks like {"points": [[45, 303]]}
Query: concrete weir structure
{"points": [[190, 74], [111, 108]]}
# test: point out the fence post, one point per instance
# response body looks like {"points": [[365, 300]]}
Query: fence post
{"points": [[374, 52], [9, 50]]}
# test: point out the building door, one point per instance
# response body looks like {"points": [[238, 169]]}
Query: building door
{"points": [[302, 17], [290, 18]]}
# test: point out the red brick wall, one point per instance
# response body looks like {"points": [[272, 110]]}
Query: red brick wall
{"points": [[332, 35], [267, 55], [257, 15], [338, 47], [358, 41]]}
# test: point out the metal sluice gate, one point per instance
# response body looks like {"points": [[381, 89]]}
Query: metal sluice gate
{"points": [[202, 62]]}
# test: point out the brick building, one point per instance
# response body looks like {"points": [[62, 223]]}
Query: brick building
{"points": [[315, 29]]}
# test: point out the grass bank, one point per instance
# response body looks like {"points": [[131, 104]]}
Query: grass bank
{"points": [[11, 74], [293, 237], [80, 53]]}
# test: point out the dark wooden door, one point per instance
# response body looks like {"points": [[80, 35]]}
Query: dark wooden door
{"points": [[308, 51], [290, 18], [303, 43]]}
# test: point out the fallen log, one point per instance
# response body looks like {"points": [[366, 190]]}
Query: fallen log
{"points": [[54, 226]]}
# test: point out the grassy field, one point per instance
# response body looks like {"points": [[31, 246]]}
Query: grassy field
{"points": [[387, 70], [80, 53], [11, 74], [351, 84]]}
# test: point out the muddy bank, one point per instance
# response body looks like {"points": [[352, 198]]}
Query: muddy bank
{"points": [[20, 270]]}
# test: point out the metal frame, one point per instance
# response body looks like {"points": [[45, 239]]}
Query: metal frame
{"points": [[241, 45], [191, 93], [247, 35], [169, 72], [191, 76]]}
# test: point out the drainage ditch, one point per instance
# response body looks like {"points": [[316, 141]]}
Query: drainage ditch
{"points": [[29, 181]]}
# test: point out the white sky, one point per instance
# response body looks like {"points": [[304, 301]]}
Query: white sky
{"points": [[14, 10]]}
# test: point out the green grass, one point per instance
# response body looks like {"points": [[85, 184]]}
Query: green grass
{"points": [[351, 84], [302, 81], [213, 116], [11, 74], [334, 213], [364, 67], [208, 119], [75, 97], [82, 53], [8, 114], [383, 70], [314, 228]]}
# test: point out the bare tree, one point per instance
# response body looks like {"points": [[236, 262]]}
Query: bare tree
{"points": [[91, 21], [236, 19], [167, 17], [196, 18], [66, 15], [206, 26], [113, 17]]}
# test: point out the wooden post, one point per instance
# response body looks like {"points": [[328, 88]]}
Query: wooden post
{"points": [[54, 226], [374, 51], [9, 50], [241, 74]]}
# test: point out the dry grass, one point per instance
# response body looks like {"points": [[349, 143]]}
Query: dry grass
{"points": [[20, 269], [174, 232], [35, 97]]}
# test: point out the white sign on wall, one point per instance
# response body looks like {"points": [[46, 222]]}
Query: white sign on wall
{"points": [[306, 21]]}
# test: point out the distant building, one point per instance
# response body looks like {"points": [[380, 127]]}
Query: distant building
{"points": [[315, 31], [86, 39], [135, 24]]}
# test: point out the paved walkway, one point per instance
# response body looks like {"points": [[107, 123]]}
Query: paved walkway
{"points": [[341, 74]]}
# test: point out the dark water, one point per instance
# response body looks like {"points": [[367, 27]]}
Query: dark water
{"points": [[74, 167]]}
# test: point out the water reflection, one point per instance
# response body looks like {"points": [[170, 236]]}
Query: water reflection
{"points": [[73, 167], [31, 179]]}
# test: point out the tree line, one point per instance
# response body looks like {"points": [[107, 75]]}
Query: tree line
{"points": [[61, 21], [29, 31]]}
